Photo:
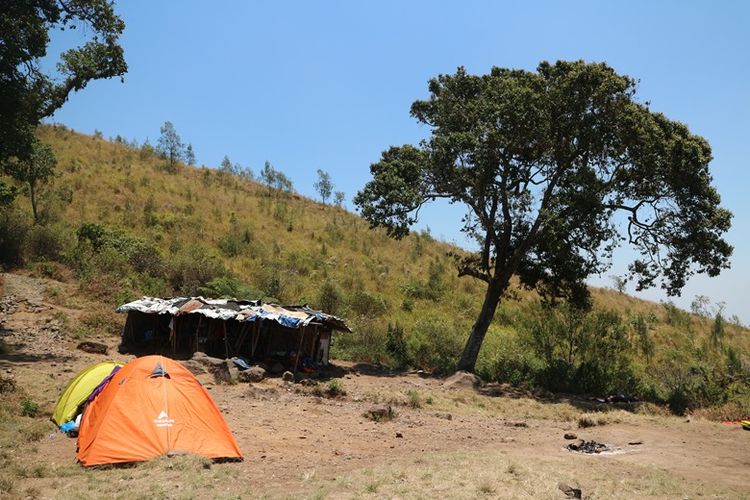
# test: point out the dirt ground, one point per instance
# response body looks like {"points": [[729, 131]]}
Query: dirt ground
{"points": [[443, 442]]}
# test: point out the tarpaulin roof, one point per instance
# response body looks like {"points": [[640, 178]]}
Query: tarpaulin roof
{"points": [[240, 310]]}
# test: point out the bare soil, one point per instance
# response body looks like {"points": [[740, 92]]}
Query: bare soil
{"points": [[442, 442]]}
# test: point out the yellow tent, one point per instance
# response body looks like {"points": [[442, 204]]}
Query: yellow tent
{"points": [[79, 389]]}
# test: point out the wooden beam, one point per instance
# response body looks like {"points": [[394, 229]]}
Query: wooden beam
{"points": [[301, 338]]}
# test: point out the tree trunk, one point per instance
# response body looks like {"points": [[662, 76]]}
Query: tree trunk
{"points": [[32, 195], [491, 299]]}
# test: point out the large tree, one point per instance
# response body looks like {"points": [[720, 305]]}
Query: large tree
{"points": [[27, 94], [555, 168]]}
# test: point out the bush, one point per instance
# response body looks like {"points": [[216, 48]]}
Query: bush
{"points": [[46, 243], [435, 344], [194, 268], [329, 297], [29, 408], [395, 346], [14, 227], [367, 304], [229, 287]]}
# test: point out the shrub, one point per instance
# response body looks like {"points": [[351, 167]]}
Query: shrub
{"points": [[367, 304], [334, 388], [194, 268], [229, 287], [435, 344], [46, 243], [14, 227], [395, 346], [329, 297], [29, 408]]}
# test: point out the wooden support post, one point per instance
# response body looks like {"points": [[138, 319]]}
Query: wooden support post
{"points": [[226, 340], [241, 337], [301, 338], [256, 335]]}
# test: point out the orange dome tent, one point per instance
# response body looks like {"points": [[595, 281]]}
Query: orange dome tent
{"points": [[151, 407]]}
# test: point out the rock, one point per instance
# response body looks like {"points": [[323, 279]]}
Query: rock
{"points": [[462, 380], [276, 368], [569, 491], [205, 359], [223, 370], [380, 413], [446, 416], [570, 435], [232, 372], [288, 376], [635, 443], [399, 435], [252, 374], [195, 367], [93, 347], [7, 385]]}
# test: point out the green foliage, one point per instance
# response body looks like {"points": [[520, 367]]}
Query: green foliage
{"points": [[717, 329], [8, 193], [28, 94], [435, 344], [275, 179], [29, 408], [582, 352], [335, 389], [329, 297], [396, 347], [230, 288], [544, 161], [14, 228], [170, 147], [367, 303], [193, 268], [189, 155], [47, 243], [37, 168], [323, 185], [431, 289]]}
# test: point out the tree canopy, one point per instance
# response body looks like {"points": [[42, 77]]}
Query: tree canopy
{"points": [[39, 167], [170, 146], [28, 94], [555, 168], [324, 185]]}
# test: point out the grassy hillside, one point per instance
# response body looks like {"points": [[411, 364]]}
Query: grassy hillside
{"points": [[117, 223]]}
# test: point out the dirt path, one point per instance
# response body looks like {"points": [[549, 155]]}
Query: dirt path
{"points": [[442, 442]]}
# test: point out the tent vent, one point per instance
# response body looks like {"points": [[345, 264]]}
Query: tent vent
{"points": [[159, 371]]}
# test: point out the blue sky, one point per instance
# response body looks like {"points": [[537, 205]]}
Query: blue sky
{"points": [[310, 85]]}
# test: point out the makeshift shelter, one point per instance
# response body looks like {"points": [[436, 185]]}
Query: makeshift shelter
{"points": [[181, 326], [153, 406], [80, 388]]}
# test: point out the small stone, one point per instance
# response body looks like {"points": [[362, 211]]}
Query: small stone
{"points": [[399, 435], [93, 347], [252, 374], [287, 376], [569, 491], [570, 435]]}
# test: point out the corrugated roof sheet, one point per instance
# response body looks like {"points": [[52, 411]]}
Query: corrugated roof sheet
{"points": [[240, 310]]}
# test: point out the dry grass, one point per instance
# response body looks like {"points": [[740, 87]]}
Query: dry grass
{"points": [[464, 475]]}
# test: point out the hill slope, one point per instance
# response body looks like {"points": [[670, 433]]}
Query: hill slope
{"points": [[119, 224]]}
